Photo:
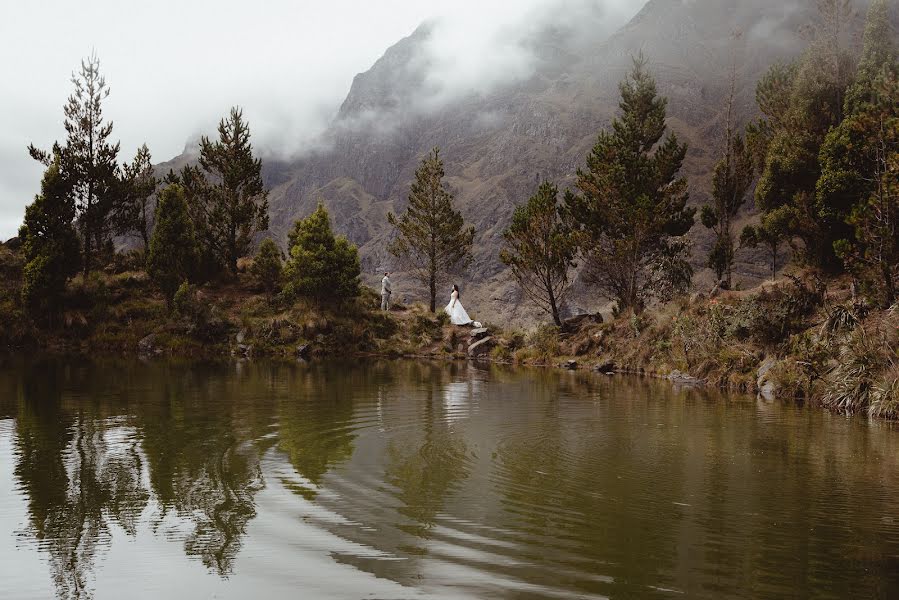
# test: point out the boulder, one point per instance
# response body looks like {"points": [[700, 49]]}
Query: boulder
{"points": [[571, 365], [303, 351], [481, 347], [479, 334], [241, 336], [606, 367], [147, 346], [767, 388], [682, 378]]}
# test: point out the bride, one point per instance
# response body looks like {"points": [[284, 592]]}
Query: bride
{"points": [[456, 311]]}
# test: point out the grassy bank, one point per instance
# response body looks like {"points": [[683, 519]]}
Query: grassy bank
{"points": [[801, 338]]}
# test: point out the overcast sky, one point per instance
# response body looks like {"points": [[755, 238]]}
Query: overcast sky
{"points": [[174, 67]]}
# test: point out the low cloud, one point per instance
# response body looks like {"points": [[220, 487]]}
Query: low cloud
{"points": [[175, 68]]}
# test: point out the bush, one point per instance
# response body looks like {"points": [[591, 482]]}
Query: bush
{"points": [[543, 343], [427, 327], [885, 395], [322, 266], [173, 257], [267, 268], [771, 316]]}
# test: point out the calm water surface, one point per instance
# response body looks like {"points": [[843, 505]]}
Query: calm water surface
{"points": [[394, 480]]}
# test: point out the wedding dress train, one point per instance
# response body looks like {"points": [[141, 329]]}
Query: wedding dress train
{"points": [[457, 313]]}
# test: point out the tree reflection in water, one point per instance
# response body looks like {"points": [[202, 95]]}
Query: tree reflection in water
{"points": [[81, 475], [85, 469]]}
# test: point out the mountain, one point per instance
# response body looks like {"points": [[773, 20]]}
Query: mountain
{"points": [[499, 143]]}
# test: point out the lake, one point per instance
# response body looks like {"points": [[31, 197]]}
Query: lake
{"points": [[419, 480]]}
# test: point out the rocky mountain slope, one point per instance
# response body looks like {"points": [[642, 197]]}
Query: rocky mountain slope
{"points": [[498, 143]]}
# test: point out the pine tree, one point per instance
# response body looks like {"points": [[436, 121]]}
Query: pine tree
{"points": [[730, 184], [540, 248], [796, 129], [267, 268], [322, 266], [90, 158], [431, 235], [172, 257], [49, 243], [230, 204], [855, 154], [134, 214], [873, 254], [632, 207]]}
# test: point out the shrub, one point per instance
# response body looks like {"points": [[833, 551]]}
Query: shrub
{"points": [[543, 342], [322, 266], [172, 258], [885, 395], [427, 327], [267, 267], [851, 382], [771, 316]]}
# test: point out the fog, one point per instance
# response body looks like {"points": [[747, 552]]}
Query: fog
{"points": [[174, 68]]}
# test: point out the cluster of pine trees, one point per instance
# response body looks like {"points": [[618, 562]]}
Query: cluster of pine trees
{"points": [[824, 159], [191, 226], [828, 153]]}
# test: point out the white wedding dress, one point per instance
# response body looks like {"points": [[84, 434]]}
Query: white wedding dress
{"points": [[456, 311]]}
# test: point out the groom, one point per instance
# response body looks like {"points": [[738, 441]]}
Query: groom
{"points": [[386, 291]]}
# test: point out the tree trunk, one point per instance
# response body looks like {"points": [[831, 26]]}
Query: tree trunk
{"points": [[554, 308], [433, 289]]}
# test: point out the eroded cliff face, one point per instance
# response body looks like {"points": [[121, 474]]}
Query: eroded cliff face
{"points": [[499, 142]]}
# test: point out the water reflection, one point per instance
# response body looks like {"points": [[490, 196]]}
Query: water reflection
{"points": [[445, 479]]}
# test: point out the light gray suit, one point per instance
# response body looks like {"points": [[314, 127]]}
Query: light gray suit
{"points": [[386, 291]]}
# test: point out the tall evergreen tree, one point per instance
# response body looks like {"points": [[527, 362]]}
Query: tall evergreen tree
{"points": [[90, 158], [172, 257], [540, 248], [322, 266], [874, 253], [230, 204], [134, 213], [49, 243], [730, 184], [861, 165], [431, 235], [852, 156], [796, 130], [632, 207]]}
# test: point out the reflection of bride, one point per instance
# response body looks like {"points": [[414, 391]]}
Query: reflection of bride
{"points": [[456, 311]]}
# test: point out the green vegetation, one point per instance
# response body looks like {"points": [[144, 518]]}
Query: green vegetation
{"points": [[134, 212], [49, 244], [731, 182], [632, 203], [227, 199], [268, 266], [827, 157], [172, 257], [322, 266], [540, 249], [431, 236], [88, 160]]}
